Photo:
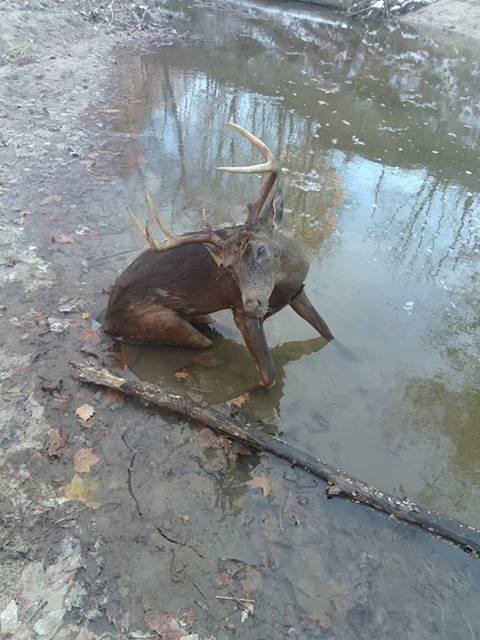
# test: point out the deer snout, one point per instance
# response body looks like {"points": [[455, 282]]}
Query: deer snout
{"points": [[254, 307]]}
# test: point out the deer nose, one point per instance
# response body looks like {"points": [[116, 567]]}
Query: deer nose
{"points": [[251, 305]]}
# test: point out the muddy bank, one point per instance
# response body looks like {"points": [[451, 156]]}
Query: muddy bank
{"points": [[129, 523], [450, 17]]}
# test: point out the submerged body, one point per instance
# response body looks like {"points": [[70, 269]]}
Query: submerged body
{"points": [[252, 269], [161, 296]]}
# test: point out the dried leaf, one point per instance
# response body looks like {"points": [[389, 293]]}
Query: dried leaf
{"points": [[239, 401], [126, 354], [85, 315], [261, 482], [182, 374], [62, 238], [163, 624], [85, 412], [207, 359], [224, 579], [191, 616], [57, 443], [81, 490], [84, 459], [90, 335], [53, 198], [322, 618], [206, 438], [112, 396]]}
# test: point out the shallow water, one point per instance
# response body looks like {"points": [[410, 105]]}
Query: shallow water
{"points": [[378, 138], [377, 130]]}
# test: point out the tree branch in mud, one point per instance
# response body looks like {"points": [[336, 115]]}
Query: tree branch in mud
{"points": [[339, 483]]}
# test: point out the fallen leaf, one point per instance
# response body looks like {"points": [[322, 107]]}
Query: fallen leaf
{"points": [[85, 315], [53, 198], [57, 443], [207, 359], [182, 374], [322, 618], [225, 443], [112, 396], [163, 624], [191, 616], [81, 490], [224, 579], [84, 459], [261, 482], [239, 401], [90, 335], [206, 438], [126, 354], [85, 412], [62, 238]]}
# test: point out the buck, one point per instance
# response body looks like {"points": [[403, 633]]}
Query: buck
{"points": [[253, 269]]}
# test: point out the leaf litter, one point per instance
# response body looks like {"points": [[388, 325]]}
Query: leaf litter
{"points": [[44, 594], [57, 443], [84, 459], [164, 625], [83, 490], [85, 412], [261, 482], [62, 238], [239, 401]]}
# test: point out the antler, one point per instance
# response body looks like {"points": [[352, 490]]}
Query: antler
{"points": [[270, 167], [208, 236]]}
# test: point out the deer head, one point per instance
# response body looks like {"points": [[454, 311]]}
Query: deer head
{"points": [[251, 252]]}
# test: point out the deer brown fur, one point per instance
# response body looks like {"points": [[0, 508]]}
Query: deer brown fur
{"points": [[252, 269]]}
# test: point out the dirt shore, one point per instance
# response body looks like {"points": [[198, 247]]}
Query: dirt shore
{"points": [[60, 88], [57, 65], [450, 17]]}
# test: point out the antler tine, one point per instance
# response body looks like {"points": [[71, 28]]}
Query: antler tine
{"points": [[155, 216], [270, 167], [264, 167], [144, 231], [208, 236]]}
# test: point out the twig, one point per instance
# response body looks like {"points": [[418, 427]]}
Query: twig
{"points": [[338, 483], [70, 516], [239, 600]]}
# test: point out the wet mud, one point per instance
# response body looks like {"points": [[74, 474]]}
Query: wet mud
{"points": [[139, 520]]}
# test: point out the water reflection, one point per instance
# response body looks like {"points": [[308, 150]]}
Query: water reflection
{"points": [[378, 134], [377, 131], [226, 370]]}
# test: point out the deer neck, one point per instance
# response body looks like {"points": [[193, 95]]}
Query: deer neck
{"points": [[293, 263]]}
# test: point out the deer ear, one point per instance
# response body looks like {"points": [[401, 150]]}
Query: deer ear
{"points": [[222, 258], [273, 215]]}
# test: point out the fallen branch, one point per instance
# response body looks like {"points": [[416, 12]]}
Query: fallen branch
{"points": [[339, 483]]}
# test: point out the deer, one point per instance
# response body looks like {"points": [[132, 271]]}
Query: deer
{"points": [[171, 289]]}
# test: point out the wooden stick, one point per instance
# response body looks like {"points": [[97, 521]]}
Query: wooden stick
{"points": [[339, 483], [241, 600]]}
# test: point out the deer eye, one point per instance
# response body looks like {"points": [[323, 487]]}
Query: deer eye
{"points": [[261, 251]]}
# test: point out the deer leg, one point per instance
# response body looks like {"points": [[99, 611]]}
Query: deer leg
{"points": [[305, 309], [256, 342], [155, 323]]}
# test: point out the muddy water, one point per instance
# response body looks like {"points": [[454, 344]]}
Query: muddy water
{"points": [[378, 134]]}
